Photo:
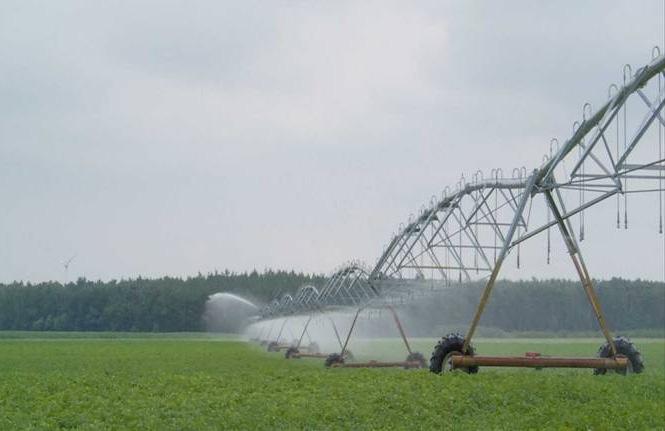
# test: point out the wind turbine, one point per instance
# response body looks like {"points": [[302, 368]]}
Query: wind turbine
{"points": [[66, 265]]}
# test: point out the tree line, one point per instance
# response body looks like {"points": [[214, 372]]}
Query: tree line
{"points": [[171, 304], [545, 306], [166, 304]]}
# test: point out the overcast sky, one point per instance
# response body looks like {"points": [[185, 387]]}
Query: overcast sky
{"points": [[171, 137]]}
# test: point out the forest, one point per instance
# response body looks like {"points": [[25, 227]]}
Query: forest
{"points": [[176, 304], [164, 304], [554, 306]]}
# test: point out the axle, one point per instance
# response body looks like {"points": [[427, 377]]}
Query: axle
{"points": [[459, 361]]}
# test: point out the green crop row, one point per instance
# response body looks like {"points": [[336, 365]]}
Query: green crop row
{"points": [[163, 384]]}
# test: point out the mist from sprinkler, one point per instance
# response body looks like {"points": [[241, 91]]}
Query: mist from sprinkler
{"points": [[228, 312]]}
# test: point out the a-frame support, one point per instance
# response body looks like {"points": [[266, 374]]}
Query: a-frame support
{"points": [[573, 249]]}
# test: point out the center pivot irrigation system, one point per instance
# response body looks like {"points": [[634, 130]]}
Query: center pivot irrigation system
{"points": [[466, 233]]}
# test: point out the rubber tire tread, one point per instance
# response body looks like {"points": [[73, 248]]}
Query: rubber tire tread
{"points": [[450, 343], [290, 352], [624, 347], [333, 358]]}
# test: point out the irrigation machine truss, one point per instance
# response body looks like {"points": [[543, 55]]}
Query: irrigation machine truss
{"points": [[468, 231]]}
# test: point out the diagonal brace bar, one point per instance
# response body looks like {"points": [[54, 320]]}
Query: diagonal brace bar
{"points": [[526, 195], [581, 269]]}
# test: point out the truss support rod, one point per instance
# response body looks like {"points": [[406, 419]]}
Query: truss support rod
{"points": [[452, 248], [435, 259], [399, 328], [309, 337], [396, 252], [327, 286], [334, 288], [304, 330], [640, 79], [471, 236], [581, 269], [564, 217], [386, 254], [638, 135], [345, 288], [281, 330], [339, 339], [348, 336], [499, 261], [421, 232], [334, 326], [455, 268]]}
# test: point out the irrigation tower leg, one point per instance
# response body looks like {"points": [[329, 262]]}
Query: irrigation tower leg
{"points": [[348, 336], [400, 328], [304, 331], [339, 339], [580, 267], [281, 330], [526, 194]]}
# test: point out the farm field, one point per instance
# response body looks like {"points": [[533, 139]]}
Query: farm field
{"points": [[204, 382]]}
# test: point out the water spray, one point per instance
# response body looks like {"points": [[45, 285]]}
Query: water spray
{"points": [[413, 359]]}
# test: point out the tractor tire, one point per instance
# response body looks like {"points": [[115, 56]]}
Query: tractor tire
{"points": [[417, 357], [313, 348], [273, 346], [333, 358], [624, 348], [290, 352], [450, 345]]}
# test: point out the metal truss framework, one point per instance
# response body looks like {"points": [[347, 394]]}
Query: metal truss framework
{"points": [[347, 286], [467, 233]]}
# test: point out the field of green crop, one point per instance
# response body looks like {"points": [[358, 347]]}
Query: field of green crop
{"points": [[193, 383]]}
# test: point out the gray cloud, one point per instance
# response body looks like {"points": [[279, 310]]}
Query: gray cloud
{"points": [[170, 137]]}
